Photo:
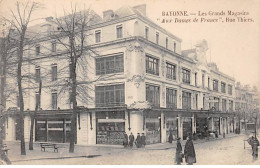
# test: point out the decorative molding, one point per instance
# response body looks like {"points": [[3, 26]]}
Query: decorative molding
{"points": [[137, 79], [135, 46], [140, 105]]}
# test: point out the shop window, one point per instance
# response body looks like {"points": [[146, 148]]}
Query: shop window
{"points": [[186, 100], [171, 98], [109, 65], [152, 65], [171, 71], [112, 95]]}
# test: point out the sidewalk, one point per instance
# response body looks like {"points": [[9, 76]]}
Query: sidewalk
{"points": [[164, 146], [84, 151]]}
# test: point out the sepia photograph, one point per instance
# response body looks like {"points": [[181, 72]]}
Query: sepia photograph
{"points": [[134, 82]]}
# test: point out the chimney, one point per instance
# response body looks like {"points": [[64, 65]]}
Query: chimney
{"points": [[108, 14], [141, 8]]}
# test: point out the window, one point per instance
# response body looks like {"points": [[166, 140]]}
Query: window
{"points": [[215, 85], [109, 65], [98, 36], [230, 89], [37, 74], [171, 98], [230, 105], [223, 87], [174, 47], [153, 95], [54, 72], [171, 71], [37, 99], [54, 100], [224, 105], [195, 79], [203, 81], [111, 95], [152, 65], [37, 50], [166, 43], [53, 46], [186, 100], [216, 103], [157, 38], [185, 75], [146, 33], [119, 31]]}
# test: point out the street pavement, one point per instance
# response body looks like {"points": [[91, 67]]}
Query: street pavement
{"points": [[221, 151]]}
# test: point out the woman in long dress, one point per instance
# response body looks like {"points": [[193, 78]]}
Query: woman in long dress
{"points": [[189, 152]]}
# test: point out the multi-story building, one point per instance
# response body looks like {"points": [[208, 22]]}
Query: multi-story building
{"points": [[138, 81], [246, 104]]}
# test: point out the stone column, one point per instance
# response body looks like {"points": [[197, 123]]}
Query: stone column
{"points": [[163, 128]]}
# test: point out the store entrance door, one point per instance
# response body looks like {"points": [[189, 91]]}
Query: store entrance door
{"points": [[187, 127]]}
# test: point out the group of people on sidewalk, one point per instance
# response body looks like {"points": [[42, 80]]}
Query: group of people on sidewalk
{"points": [[189, 152], [139, 141]]}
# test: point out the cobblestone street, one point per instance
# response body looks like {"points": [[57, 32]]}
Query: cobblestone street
{"points": [[215, 152]]}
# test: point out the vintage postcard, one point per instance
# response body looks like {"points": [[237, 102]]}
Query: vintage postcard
{"points": [[147, 82]]}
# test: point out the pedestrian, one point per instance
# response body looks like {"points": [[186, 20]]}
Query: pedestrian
{"points": [[189, 152], [143, 140], [178, 154], [170, 139], [131, 140], [138, 141], [125, 141]]}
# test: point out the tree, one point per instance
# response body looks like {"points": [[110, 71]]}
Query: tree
{"points": [[71, 34], [20, 21]]}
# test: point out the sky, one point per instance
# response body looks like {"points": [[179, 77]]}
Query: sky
{"points": [[234, 46]]}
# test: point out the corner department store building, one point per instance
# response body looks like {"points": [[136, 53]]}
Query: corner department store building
{"points": [[147, 85]]}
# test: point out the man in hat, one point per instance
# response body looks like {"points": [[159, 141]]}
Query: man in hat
{"points": [[143, 140], [125, 141], [178, 154], [138, 141], [131, 140]]}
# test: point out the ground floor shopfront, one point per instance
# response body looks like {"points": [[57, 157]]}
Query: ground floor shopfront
{"points": [[107, 125]]}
